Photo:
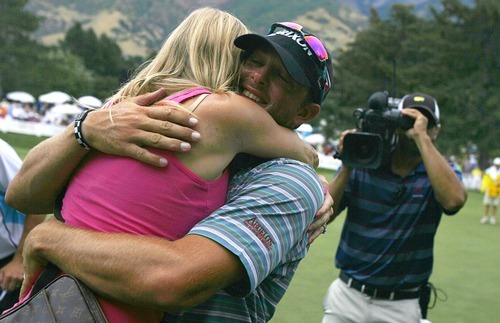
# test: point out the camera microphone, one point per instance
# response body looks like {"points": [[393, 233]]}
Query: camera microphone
{"points": [[378, 101]]}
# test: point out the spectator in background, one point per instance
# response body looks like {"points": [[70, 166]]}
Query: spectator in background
{"points": [[13, 230], [454, 162], [4, 108], [476, 180], [385, 253], [491, 188]]}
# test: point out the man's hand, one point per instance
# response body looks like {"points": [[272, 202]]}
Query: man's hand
{"points": [[127, 127], [419, 127], [323, 215], [11, 275], [33, 263], [340, 146]]}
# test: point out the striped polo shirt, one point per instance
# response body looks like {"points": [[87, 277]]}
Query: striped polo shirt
{"points": [[264, 223], [388, 235]]}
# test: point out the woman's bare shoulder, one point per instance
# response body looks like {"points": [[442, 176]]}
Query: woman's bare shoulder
{"points": [[231, 103]]}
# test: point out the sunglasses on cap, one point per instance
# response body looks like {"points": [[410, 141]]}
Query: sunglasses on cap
{"points": [[315, 46]]}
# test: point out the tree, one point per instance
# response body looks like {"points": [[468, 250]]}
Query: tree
{"points": [[59, 70], [450, 56], [472, 89], [99, 54], [16, 46], [28, 66]]}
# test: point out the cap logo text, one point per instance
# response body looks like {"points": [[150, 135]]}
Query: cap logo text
{"points": [[296, 38]]}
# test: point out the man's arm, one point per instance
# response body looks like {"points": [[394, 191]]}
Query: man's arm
{"points": [[175, 275], [337, 187], [144, 271], [341, 179], [11, 275], [448, 189], [44, 173], [132, 125]]}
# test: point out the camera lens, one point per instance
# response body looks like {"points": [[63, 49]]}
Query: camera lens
{"points": [[362, 150]]}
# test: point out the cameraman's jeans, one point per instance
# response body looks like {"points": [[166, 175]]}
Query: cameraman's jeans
{"points": [[343, 304]]}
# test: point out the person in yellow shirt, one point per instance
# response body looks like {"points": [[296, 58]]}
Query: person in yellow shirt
{"points": [[491, 188]]}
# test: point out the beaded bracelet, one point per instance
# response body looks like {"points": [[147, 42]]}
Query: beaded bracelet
{"points": [[78, 129]]}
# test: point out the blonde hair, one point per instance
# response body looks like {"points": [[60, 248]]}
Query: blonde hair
{"points": [[198, 53]]}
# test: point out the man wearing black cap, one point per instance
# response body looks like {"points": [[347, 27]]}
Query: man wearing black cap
{"points": [[385, 253], [304, 57], [239, 261]]}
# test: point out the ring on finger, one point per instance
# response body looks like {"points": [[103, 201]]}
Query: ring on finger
{"points": [[324, 228]]}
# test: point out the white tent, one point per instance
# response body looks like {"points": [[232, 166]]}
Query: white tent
{"points": [[20, 96], [68, 109], [90, 101], [305, 127], [315, 139], [304, 130], [54, 97]]}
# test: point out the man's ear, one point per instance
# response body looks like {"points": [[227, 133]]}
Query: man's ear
{"points": [[307, 113], [434, 132]]}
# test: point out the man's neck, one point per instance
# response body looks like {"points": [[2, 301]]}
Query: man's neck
{"points": [[245, 161], [403, 164]]}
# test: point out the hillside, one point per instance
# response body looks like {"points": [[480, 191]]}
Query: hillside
{"points": [[140, 27]]}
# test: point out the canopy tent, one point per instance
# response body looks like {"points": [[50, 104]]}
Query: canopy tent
{"points": [[315, 139], [54, 97], [304, 130], [20, 96], [68, 109], [90, 101]]}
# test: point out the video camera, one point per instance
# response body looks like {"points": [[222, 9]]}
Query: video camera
{"points": [[371, 146]]}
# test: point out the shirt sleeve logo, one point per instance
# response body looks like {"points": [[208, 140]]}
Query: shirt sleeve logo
{"points": [[260, 232]]}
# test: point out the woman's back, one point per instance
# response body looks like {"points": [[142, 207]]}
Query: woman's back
{"points": [[141, 199], [118, 194]]}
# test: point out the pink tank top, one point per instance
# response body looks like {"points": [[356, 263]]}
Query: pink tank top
{"points": [[117, 194]]}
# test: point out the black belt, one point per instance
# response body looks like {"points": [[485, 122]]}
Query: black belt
{"points": [[378, 293]]}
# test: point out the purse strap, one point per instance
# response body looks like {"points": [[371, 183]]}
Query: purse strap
{"points": [[48, 274]]}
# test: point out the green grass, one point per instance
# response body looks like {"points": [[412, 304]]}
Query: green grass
{"points": [[21, 143], [467, 265]]}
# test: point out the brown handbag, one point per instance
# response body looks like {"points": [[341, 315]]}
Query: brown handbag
{"points": [[63, 299]]}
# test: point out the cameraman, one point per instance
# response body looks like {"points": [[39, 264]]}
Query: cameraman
{"points": [[385, 252]]}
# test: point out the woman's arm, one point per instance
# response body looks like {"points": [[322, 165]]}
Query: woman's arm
{"points": [[253, 130]]}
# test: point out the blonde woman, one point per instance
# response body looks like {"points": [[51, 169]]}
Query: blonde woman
{"points": [[199, 67]]}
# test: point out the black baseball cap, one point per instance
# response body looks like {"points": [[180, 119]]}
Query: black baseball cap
{"points": [[424, 103], [299, 62]]}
